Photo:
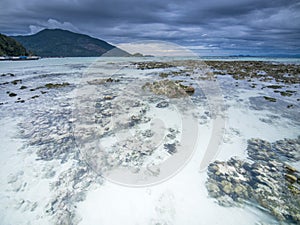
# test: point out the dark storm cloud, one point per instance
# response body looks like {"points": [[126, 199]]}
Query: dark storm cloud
{"points": [[254, 25]]}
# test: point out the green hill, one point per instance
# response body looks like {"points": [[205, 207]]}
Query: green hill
{"points": [[10, 47], [63, 43]]}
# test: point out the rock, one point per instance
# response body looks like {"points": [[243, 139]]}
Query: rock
{"points": [[35, 96], [226, 186], [213, 168], [172, 130], [52, 86], [7, 74], [102, 81], [241, 192], [169, 88], [15, 82], [189, 89], [290, 178], [171, 136], [171, 148], [266, 180], [134, 120], [148, 133], [213, 189], [163, 104], [11, 94], [163, 75], [153, 65], [108, 97], [290, 169], [270, 99]]}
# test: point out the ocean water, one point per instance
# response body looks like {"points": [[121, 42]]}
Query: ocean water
{"points": [[109, 141]]}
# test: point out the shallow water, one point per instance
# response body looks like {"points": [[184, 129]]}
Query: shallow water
{"points": [[85, 144]]}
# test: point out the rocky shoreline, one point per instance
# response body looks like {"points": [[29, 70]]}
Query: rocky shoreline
{"points": [[64, 133], [266, 179]]}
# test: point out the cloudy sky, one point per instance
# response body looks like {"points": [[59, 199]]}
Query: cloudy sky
{"points": [[210, 27]]}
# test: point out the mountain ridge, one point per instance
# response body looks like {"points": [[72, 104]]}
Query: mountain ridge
{"points": [[11, 47], [65, 43]]}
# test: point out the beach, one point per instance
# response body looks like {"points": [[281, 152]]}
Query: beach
{"points": [[155, 140]]}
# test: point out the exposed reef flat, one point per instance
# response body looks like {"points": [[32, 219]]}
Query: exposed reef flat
{"points": [[283, 73], [77, 119]]}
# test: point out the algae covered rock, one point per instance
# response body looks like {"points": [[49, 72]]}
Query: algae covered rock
{"points": [[266, 179], [169, 88]]}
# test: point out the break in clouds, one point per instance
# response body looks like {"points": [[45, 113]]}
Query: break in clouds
{"points": [[237, 27]]}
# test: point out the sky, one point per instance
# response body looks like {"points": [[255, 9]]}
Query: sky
{"points": [[210, 27]]}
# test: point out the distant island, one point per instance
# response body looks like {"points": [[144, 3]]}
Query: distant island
{"points": [[63, 43], [140, 55]]}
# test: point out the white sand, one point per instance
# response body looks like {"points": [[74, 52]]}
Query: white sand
{"points": [[183, 199], [24, 188]]}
